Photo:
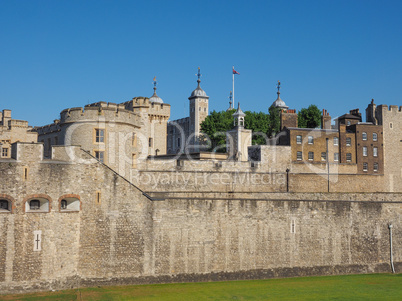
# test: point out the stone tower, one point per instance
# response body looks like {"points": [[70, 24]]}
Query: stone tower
{"points": [[198, 112]]}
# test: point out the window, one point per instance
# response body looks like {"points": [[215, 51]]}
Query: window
{"points": [[56, 140], [365, 151], [375, 167], [323, 156], [364, 136], [348, 141], [311, 156], [375, 137], [348, 123], [178, 142], [34, 205], [150, 142], [293, 227], [4, 152], [63, 204], [299, 156], [310, 140], [365, 166], [336, 140], [69, 203], [134, 160], [37, 204], [134, 139], [336, 156], [298, 139], [375, 151], [348, 157], [205, 109], [390, 125], [4, 205], [99, 135], [100, 156], [199, 108]]}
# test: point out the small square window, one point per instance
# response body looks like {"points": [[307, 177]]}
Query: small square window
{"points": [[375, 167], [348, 157], [323, 156], [365, 166], [4, 152], [299, 156], [336, 156], [375, 137], [311, 156], [348, 141], [299, 139], [364, 136], [365, 151], [336, 140], [100, 156], [310, 140]]}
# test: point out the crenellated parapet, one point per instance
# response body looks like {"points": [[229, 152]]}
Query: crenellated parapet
{"points": [[100, 111], [391, 108]]}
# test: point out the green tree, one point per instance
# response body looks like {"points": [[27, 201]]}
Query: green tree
{"points": [[309, 118], [274, 120], [217, 123]]}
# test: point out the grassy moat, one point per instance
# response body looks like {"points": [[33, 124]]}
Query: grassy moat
{"points": [[345, 287]]}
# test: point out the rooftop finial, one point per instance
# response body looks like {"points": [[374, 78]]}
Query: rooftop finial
{"points": [[279, 87], [199, 76], [154, 85]]}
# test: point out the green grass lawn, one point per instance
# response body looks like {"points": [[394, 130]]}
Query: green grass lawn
{"points": [[349, 287]]}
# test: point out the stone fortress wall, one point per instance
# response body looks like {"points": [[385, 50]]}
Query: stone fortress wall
{"points": [[120, 234]]}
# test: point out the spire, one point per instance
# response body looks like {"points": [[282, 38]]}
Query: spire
{"points": [[279, 87], [238, 117], [199, 77], [154, 97], [154, 86]]}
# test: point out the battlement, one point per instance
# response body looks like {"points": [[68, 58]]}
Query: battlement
{"points": [[100, 111], [391, 108]]}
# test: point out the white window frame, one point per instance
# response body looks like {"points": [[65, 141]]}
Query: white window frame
{"points": [[365, 166], [348, 141], [336, 157], [310, 156], [365, 151], [364, 136], [375, 151], [375, 137], [310, 139], [348, 157], [299, 139], [336, 141], [301, 156]]}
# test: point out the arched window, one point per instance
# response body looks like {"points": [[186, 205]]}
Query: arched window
{"points": [[34, 205], [4, 205], [37, 203], [69, 203]]}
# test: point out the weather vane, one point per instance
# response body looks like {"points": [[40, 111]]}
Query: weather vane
{"points": [[278, 86], [154, 81], [199, 73]]}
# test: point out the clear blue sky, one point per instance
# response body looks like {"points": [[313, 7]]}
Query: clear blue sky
{"points": [[335, 54]]}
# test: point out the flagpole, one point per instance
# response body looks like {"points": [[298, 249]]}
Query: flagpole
{"points": [[233, 99]]}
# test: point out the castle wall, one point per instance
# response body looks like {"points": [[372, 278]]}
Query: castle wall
{"points": [[119, 236]]}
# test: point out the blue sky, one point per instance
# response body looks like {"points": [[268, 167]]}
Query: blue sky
{"points": [[335, 54]]}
